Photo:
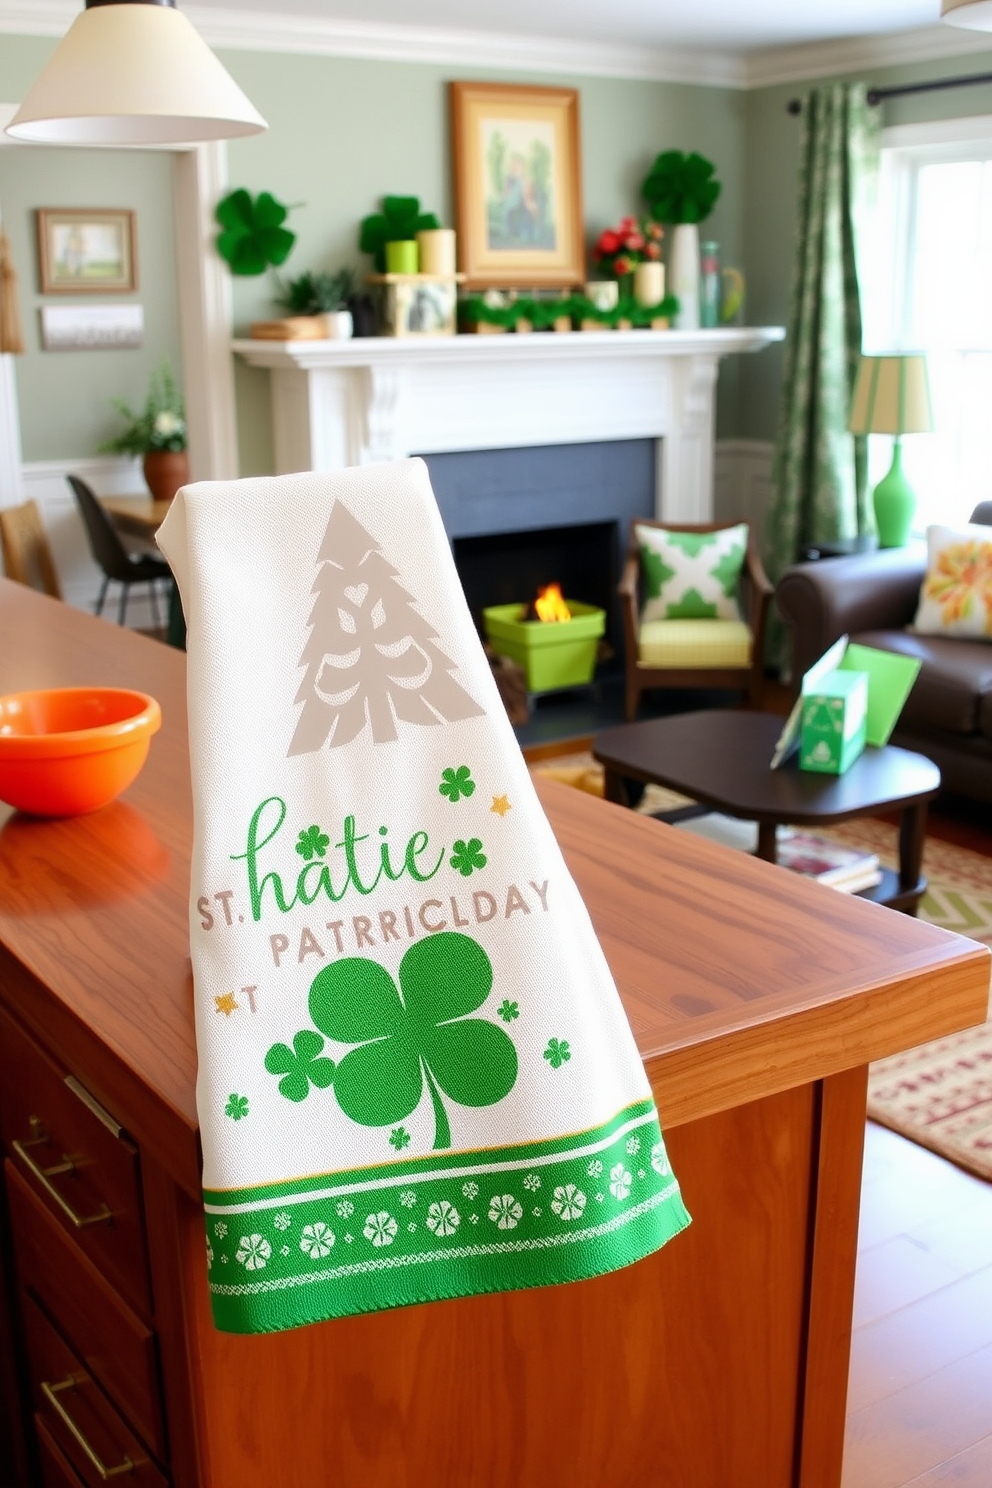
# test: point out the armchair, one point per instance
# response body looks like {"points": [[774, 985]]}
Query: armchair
{"points": [[873, 597], [711, 653]]}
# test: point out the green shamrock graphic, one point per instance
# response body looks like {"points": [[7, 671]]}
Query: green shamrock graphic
{"points": [[508, 1010], [237, 1106], [422, 1036], [457, 783], [557, 1053], [313, 843], [300, 1066], [399, 1138], [466, 856]]}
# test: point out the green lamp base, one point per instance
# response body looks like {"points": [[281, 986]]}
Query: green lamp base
{"points": [[895, 504]]}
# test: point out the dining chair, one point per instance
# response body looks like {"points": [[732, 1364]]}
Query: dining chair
{"points": [[111, 556], [27, 555]]}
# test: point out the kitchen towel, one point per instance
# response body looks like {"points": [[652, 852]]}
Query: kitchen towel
{"points": [[416, 1079]]}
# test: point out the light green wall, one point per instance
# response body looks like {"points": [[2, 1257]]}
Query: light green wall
{"points": [[64, 396], [344, 133], [769, 195]]}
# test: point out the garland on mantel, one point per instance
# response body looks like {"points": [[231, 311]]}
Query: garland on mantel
{"points": [[543, 314]]}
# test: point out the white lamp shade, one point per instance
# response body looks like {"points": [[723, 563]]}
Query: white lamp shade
{"points": [[891, 396], [976, 15], [133, 74]]}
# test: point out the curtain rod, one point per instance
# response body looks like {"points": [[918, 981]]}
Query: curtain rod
{"points": [[879, 95]]}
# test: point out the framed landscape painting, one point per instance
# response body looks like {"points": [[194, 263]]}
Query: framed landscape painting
{"points": [[518, 191], [82, 251]]}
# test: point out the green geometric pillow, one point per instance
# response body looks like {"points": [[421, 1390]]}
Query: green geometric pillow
{"points": [[691, 575]]}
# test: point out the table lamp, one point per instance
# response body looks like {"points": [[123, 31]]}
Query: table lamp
{"points": [[892, 396], [133, 72]]}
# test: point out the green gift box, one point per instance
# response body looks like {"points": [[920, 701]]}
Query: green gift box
{"points": [[886, 678], [835, 719]]}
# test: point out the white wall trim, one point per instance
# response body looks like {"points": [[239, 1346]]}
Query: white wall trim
{"points": [[273, 32], [855, 54], [975, 128], [742, 482]]}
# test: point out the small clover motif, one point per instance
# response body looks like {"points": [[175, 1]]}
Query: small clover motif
{"points": [[473, 1219], [223, 1260], [300, 1066], [412, 1226], [467, 856], [595, 1168], [640, 1172], [568, 1201], [345, 1208], [284, 1250], [349, 1238], [505, 1212], [313, 843], [253, 1252], [220, 1229], [283, 1221], [210, 1253], [633, 1145], [443, 1218], [532, 1182], [457, 783], [659, 1159], [381, 1229], [557, 1053], [399, 1138], [408, 1198], [508, 1010], [237, 1106], [316, 1240], [470, 1190], [536, 1211], [620, 1181]]}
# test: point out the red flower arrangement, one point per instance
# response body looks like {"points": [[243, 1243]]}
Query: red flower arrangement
{"points": [[619, 249]]}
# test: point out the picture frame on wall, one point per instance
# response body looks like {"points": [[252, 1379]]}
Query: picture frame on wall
{"points": [[86, 251], [518, 185]]}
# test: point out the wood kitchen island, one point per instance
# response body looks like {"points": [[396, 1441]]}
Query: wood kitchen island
{"points": [[757, 1000]]}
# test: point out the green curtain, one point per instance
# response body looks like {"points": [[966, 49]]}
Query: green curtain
{"points": [[820, 471]]}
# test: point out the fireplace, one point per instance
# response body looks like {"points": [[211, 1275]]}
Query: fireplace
{"points": [[522, 518]]}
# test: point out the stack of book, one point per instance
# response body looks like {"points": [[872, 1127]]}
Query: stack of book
{"points": [[845, 868]]}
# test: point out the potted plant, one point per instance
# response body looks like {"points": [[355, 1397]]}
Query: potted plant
{"points": [[323, 295], [682, 189], [157, 433]]}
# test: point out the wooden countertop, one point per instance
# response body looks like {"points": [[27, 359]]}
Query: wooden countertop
{"points": [[739, 978]]}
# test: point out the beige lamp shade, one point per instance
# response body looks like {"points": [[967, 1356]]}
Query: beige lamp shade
{"points": [[892, 396], [133, 72], [976, 15]]}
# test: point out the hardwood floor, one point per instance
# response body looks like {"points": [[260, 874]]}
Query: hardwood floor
{"points": [[920, 1396]]}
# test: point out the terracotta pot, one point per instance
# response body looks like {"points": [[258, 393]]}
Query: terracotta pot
{"points": [[165, 471]]}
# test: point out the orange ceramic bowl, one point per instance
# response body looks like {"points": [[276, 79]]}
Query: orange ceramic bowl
{"points": [[69, 750]]}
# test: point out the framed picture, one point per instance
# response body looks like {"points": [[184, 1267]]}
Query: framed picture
{"points": [[86, 252], [518, 185]]}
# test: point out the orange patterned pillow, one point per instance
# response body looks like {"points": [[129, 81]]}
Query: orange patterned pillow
{"points": [[956, 596]]}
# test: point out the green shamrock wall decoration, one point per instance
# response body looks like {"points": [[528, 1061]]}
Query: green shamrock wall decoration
{"points": [[680, 187], [400, 219], [403, 1043], [252, 235]]}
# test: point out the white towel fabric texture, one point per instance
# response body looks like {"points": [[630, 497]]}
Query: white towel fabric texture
{"points": [[416, 1079]]}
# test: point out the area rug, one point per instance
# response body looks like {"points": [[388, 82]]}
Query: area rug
{"points": [[938, 1095]]}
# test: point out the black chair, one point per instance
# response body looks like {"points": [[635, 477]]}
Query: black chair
{"points": [[111, 556]]}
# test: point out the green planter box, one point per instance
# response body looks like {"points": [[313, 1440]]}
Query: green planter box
{"points": [[559, 653]]}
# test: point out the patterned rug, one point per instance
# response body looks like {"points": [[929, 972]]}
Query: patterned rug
{"points": [[939, 1094]]}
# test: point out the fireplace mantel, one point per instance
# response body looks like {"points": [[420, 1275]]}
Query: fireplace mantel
{"points": [[337, 403]]}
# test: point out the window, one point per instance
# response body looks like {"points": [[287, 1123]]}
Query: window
{"points": [[928, 288]]}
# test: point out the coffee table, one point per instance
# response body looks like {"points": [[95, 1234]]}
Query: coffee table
{"points": [[720, 758]]}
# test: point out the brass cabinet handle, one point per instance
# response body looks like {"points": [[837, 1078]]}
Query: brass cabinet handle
{"points": [[51, 1394], [44, 1177]]}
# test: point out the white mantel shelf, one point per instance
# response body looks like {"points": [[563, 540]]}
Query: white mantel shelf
{"points": [[338, 403]]}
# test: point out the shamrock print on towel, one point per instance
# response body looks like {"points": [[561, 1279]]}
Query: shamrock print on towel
{"points": [[371, 660], [557, 1053], [300, 1066], [457, 783], [467, 856], [408, 1037]]}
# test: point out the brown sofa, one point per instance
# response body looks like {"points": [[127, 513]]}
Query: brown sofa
{"points": [[872, 597]]}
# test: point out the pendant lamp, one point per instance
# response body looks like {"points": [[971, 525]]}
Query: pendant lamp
{"points": [[976, 15], [133, 72]]}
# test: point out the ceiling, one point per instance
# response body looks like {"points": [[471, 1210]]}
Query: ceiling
{"points": [[729, 25]]}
